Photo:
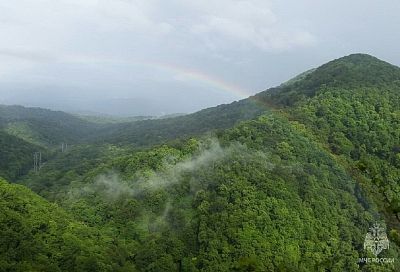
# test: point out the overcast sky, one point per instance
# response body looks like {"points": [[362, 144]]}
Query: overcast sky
{"points": [[153, 57]]}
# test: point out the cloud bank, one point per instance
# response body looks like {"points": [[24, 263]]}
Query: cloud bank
{"points": [[67, 54]]}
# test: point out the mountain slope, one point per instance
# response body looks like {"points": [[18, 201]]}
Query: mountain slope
{"points": [[39, 236], [353, 71], [44, 127], [352, 106], [294, 189], [24, 131], [149, 132], [16, 156], [262, 196], [362, 127], [341, 150]]}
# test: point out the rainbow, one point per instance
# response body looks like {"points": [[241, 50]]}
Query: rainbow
{"points": [[185, 72], [201, 77]]}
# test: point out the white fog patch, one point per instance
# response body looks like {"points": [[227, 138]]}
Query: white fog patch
{"points": [[173, 173], [111, 185]]}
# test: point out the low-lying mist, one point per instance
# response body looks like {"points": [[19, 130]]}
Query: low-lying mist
{"points": [[111, 185], [171, 188]]}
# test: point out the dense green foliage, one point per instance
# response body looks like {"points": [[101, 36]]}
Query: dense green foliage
{"points": [[44, 127], [36, 235], [149, 132], [294, 188], [261, 197], [362, 127], [354, 71], [64, 168], [16, 156], [24, 131], [48, 129]]}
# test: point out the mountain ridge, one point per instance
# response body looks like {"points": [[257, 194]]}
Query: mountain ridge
{"points": [[352, 71], [289, 180]]}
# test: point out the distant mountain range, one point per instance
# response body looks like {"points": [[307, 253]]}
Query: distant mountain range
{"points": [[290, 179]]}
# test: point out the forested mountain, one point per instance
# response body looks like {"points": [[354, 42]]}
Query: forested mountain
{"points": [[353, 71], [44, 127], [16, 156], [350, 72], [24, 131], [290, 179], [149, 132], [36, 235], [45, 130]]}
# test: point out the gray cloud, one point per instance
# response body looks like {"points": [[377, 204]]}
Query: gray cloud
{"points": [[83, 50], [26, 55]]}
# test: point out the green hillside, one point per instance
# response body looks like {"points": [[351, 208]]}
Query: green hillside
{"points": [[36, 235], [290, 179], [352, 106], [16, 156], [149, 132], [259, 197], [353, 71], [24, 131], [44, 127]]}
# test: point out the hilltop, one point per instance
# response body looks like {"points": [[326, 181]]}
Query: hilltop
{"points": [[353, 71]]}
